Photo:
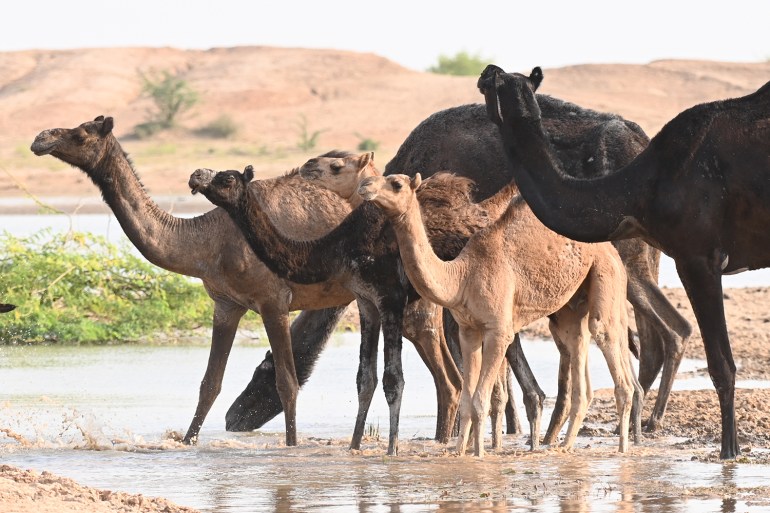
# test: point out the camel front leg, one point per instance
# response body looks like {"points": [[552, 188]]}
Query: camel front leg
{"points": [[423, 325], [393, 373], [702, 280], [276, 323], [470, 344], [225, 323], [366, 378], [495, 344]]}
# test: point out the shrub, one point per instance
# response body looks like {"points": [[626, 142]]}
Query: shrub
{"points": [[79, 288], [307, 140], [462, 64], [172, 96], [367, 144]]}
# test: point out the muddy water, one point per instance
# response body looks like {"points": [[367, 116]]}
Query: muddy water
{"points": [[101, 415]]}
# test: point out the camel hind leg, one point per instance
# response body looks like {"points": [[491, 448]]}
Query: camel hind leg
{"points": [[570, 326], [423, 325], [608, 324]]}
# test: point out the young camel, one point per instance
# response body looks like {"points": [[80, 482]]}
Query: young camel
{"points": [[360, 254], [342, 176], [508, 275]]}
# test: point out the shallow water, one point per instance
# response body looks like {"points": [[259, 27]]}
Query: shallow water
{"points": [[99, 414]]}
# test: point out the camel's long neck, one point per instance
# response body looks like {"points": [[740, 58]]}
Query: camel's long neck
{"points": [[298, 261], [594, 210], [169, 242], [433, 278]]}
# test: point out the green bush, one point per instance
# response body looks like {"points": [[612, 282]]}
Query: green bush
{"points": [[366, 143], [462, 64], [221, 128], [307, 139], [172, 96], [79, 288]]}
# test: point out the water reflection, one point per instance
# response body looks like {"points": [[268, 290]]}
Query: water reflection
{"points": [[98, 415]]}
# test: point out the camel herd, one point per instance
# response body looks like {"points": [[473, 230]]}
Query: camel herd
{"points": [[458, 263]]}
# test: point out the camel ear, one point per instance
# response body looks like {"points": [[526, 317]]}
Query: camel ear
{"points": [[248, 173], [99, 118], [364, 159], [107, 126], [536, 77], [415, 182]]}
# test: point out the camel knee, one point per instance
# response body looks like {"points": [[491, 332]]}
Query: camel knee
{"points": [[366, 383], [392, 385]]}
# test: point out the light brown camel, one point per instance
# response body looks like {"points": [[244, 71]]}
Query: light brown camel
{"points": [[361, 254], [232, 275], [699, 192], [342, 176], [507, 276]]}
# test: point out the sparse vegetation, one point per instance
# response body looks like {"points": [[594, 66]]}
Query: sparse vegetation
{"points": [[222, 127], [366, 143], [79, 288], [171, 95], [462, 63], [307, 139]]}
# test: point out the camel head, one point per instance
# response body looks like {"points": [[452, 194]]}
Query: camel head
{"points": [[222, 188], [83, 146], [510, 96], [340, 174], [394, 194]]}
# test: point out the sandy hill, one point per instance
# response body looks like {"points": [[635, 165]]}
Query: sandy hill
{"points": [[268, 91]]}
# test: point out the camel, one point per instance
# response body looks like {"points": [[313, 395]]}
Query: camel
{"points": [[361, 254], [698, 193], [232, 275], [5, 307], [510, 274], [342, 175], [466, 142]]}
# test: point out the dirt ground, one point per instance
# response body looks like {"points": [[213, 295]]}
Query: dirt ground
{"points": [[374, 98]]}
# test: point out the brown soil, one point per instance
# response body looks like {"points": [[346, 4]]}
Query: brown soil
{"points": [[348, 97], [23, 491]]}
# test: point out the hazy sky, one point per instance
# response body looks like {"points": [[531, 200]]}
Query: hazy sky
{"points": [[514, 34]]}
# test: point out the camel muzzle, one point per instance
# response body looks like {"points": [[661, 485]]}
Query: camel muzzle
{"points": [[44, 143]]}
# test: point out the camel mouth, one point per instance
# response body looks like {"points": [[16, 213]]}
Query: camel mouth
{"points": [[43, 144], [199, 180]]}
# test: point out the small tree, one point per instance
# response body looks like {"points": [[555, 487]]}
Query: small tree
{"points": [[172, 96], [307, 140], [462, 64]]}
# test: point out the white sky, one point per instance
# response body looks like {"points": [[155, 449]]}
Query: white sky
{"points": [[512, 33]]}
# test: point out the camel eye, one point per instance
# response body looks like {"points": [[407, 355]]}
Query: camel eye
{"points": [[336, 166], [397, 186]]}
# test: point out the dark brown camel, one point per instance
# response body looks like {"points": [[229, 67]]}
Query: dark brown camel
{"points": [[587, 143], [4, 307], [699, 193], [234, 278], [361, 253]]}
